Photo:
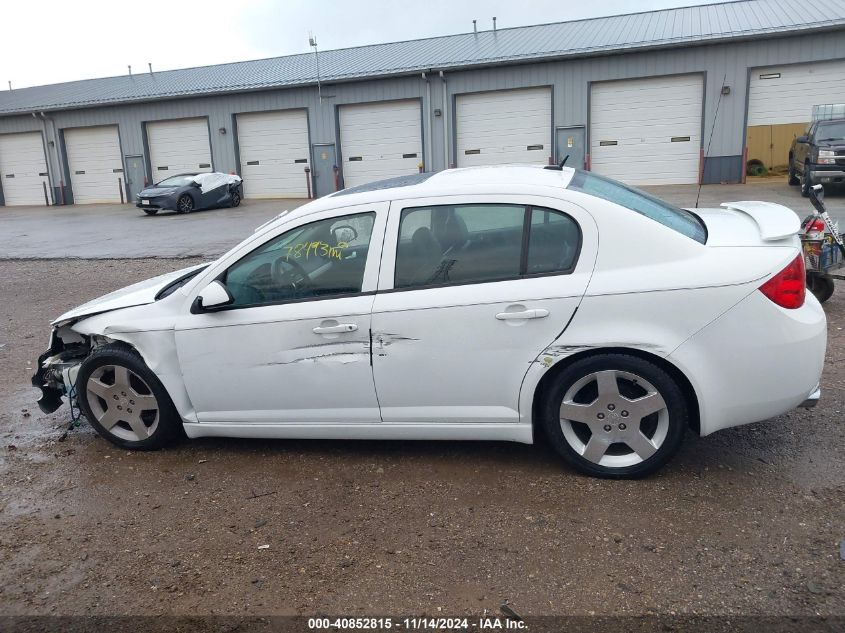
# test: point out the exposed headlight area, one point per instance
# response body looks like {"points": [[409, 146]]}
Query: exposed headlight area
{"points": [[56, 368]]}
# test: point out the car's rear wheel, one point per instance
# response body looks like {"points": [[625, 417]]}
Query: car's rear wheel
{"points": [[150, 211], [821, 286], [792, 177], [124, 401], [236, 199], [615, 416], [185, 204]]}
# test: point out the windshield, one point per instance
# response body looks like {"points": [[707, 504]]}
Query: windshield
{"points": [[177, 181], [833, 131], [680, 220]]}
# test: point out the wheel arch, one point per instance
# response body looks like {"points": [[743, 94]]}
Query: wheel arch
{"points": [[549, 377]]}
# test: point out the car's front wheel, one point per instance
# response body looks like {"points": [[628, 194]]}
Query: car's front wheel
{"points": [[124, 401], [236, 199], [615, 416], [806, 182], [185, 204]]}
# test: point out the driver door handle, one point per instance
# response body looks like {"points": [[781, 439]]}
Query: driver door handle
{"points": [[335, 329], [537, 313]]}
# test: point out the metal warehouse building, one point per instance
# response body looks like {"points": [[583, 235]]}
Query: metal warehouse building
{"points": [[636, 97]]}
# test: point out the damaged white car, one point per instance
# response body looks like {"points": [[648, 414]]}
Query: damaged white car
{"points": [[493, 303]]}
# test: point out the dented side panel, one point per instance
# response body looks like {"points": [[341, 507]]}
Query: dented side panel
{"points": [[277, 369], [654, 322]]}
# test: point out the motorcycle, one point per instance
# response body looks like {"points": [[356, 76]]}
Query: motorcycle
{"points": [[824, 250]]}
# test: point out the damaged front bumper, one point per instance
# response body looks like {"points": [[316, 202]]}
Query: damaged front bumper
{"points": [[55, 372]]}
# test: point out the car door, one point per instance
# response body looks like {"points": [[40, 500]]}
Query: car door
{"points": [[802, 149], [294, 346], [471, 290]]}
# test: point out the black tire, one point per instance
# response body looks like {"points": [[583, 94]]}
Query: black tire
{"points": [[236, 199], [792, 178], [821, 286], [185, 204], [163, 428], [806, 182], [150, 211], [674, 422]]}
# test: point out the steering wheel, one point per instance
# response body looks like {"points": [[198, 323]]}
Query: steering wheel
{"points": [[293, 277], [341, 227]]}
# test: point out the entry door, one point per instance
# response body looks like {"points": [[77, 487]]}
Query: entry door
{"points": [[325, 161], [294, 348], [569, 141], [454, 339], [135, 174]]}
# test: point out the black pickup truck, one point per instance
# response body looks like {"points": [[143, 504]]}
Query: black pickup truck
{"points": [[819, 156]]}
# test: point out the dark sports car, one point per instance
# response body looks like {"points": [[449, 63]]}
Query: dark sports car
{"points": [[189, 192]]}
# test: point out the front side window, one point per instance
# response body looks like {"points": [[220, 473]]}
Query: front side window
{"points": [[177, 181], [679, 220], [458, 244], [321, 259]]}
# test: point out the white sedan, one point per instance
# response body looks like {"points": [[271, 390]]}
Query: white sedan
{"points": [[496, 303]]}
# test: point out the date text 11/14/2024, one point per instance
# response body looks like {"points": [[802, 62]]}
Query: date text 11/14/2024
{"points": [[417, 623]]}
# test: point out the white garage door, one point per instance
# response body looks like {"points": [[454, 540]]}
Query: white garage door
{"points": [[273, 149], [787, 94], [380, 140], [178, 147], [647, 131], [96, 169], [23, 169], [511, 126]]}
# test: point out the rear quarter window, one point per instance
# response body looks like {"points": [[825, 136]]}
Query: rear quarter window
{"points": [[680, 220]]}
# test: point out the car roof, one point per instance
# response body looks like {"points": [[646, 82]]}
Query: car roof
{"points": [[496, 179]]}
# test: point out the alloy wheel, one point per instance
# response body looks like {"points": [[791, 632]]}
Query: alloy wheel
{"points": [[614, 418], [122, 402], [186, 204]]}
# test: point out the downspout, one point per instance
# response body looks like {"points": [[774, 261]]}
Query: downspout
{"points": [[427, 109], [446, 164], [50, 177], [52, 121]]}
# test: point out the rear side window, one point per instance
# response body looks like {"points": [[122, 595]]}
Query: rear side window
{"points": [[679, 220], [460, 244]]}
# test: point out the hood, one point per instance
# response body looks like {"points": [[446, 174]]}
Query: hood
{"points": [[137, 294], [749, 223], [157, 191]]}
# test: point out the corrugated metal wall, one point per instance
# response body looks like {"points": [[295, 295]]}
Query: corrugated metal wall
{"points": [[570, 82]]}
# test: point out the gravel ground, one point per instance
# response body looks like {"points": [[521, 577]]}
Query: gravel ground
{"points": [[746, 521]]}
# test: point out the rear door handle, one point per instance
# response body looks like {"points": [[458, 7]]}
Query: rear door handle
{"points": [[335, 329], [537, 313]]}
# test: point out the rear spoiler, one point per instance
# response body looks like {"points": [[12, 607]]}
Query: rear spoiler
{"points": [[775, 221]]}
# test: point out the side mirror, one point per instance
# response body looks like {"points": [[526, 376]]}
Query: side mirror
{"points": [[215, 295], [801, 139], [195, 184], [817, 197]]}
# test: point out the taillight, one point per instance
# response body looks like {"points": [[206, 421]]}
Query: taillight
{"points": [[816, 226], [788, 287]]}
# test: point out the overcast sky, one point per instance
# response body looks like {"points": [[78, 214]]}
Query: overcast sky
{"points": [[50, 41]]}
